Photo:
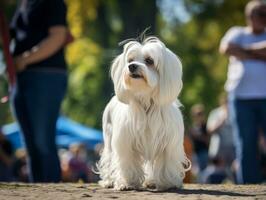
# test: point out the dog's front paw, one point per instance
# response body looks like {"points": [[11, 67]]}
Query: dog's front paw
{"points": [[124, 187], [106, 184]]}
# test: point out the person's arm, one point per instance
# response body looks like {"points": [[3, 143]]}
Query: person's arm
{"points": [[45, 49], [235, 50], [256, 51], [213, 128], [230, 43]]}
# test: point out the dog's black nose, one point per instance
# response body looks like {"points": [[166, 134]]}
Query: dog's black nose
{"points": [[132, 67]]}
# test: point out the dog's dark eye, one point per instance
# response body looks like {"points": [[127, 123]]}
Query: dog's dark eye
{"points": [[149, 61], [130, 60]]}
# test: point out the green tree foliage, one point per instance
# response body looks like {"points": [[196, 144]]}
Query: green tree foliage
{"points": [[5, 115], [6, 6]]}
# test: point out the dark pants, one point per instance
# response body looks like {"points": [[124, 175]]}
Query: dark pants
{"points": [[250, 118], [36, 103]]}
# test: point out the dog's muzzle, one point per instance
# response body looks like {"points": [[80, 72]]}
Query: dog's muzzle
{"points": [[133, 69]]}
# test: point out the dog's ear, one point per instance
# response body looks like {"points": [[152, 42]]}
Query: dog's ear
{"points": [[170, 83], [118, 79]]}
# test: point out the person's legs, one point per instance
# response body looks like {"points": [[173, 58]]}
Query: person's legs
{"points": [[203, 158], [20, 112], [262, 115], [43, 94], [246, 118], [262, 120]]}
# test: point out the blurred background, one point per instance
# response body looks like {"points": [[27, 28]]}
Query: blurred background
{"points": [[190, 28]]}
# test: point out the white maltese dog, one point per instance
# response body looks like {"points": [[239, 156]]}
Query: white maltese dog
{"points": [[143, 126]]}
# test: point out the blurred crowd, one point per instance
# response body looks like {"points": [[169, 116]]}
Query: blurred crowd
{"points": [[77, 163], [210, 144]]}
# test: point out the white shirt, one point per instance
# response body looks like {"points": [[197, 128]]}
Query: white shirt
{"points": [[245, 78]]}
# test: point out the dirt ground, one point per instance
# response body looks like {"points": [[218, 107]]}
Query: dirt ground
{"points": [[63, 191]]}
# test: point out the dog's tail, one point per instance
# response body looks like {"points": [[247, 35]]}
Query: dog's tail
{"points": [[187, 164]]}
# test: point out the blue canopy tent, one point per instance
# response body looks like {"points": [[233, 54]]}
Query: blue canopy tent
{"points": [[68, 132]]}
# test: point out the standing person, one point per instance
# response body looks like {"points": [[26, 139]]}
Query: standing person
{"points": [[220, 128], [199, 136], [221, 148], [246, 86], [39, 31]]}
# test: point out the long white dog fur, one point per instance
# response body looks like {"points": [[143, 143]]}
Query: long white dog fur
{"points": [[142, 124]]}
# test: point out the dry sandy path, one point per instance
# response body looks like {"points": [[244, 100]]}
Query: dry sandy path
{"points": [[63, 191]]}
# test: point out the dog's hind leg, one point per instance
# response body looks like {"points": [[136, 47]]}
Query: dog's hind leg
{"points": [[105, 163], [104, 167]]}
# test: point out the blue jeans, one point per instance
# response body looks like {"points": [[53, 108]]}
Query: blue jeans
{"points": [[36, 103], [203, 158], [250, 119]]}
